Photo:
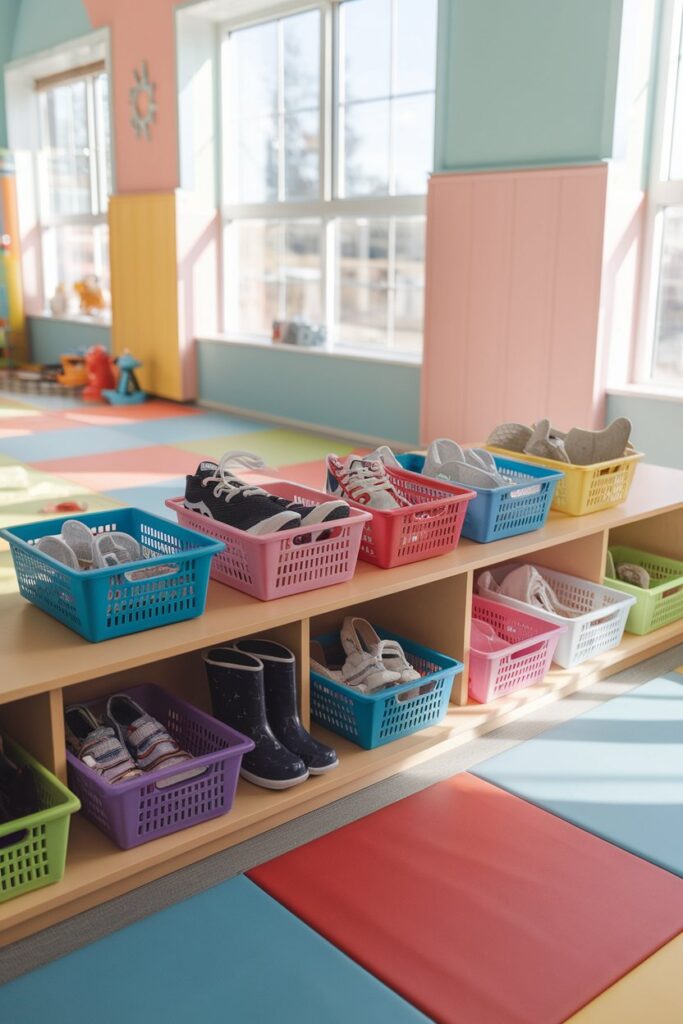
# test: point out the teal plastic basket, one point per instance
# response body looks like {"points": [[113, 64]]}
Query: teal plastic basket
{"points": [[168, 585], [520, 506], [371, 720]]}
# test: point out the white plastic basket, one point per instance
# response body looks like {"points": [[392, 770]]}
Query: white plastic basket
{"points": [[598, 628]]}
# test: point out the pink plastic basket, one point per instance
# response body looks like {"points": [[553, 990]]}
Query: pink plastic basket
{"points": [[289, 562], [429, 526], [532, 642]]}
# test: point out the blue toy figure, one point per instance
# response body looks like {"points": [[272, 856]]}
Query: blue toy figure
{"points": [[127, 391]]}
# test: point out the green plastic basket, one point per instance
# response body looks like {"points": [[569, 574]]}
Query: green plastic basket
{"points": [[36, 851], [662, 604]]}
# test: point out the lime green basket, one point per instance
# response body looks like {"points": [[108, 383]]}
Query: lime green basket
{"points": [[662, 604], [33, 848]]}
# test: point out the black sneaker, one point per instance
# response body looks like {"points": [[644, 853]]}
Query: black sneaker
{"points": [[312, 514], [217, 493]]}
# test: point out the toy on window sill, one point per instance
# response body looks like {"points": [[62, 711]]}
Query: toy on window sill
{"points": [[90, 294], [74, 373], [127, 391], [100, 369], [59, 303]]}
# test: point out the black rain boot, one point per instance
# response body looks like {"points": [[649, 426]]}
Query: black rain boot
{"points": [[279, 677], [237, 697]]}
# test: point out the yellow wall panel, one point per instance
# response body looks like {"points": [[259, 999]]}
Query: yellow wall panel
{"points": [[144, 284]]}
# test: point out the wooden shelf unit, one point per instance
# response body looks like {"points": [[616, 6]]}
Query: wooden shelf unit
{"points": [[45, 665]]}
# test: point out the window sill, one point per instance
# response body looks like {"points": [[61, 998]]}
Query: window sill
{"points": [[659, 391], [362, 355], [74, 318]]}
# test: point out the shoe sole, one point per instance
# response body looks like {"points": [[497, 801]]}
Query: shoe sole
{"points": [[257, 780], [327, 768], [339, 510]]}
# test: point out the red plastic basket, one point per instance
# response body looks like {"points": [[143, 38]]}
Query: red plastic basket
{"points": [[289, 562], [429, 526], [532, 642]]}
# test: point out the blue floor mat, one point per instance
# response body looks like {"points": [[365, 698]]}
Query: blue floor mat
{"points": [[65, 444], [151, 497], [231, 955], [178, 429], [616, 771]]}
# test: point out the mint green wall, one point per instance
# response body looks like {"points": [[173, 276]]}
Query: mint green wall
{"points": [[371, 398], [50, 338], [45, 23], [9, 9], [526, 82], [657, 426]]}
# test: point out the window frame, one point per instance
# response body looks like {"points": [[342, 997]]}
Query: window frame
{"points": [[328, 207], [99, 193], [661, 193]]}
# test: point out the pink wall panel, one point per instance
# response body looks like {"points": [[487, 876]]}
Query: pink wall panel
{"points": [[142, 31], [513, 297]]}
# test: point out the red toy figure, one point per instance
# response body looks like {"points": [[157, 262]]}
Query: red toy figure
{"points": [[98, 363]]}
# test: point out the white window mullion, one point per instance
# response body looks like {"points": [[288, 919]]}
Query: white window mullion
{"points": [[329, 207], [661, 192], [280, 112]]}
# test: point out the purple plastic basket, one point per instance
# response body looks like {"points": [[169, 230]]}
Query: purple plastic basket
{"points": [[153, 805]]}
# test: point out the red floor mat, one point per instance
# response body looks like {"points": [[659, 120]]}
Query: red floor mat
{"points": [[477, 907]]}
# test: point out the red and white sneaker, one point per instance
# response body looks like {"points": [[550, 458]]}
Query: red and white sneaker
{"points": [[363, 480]]}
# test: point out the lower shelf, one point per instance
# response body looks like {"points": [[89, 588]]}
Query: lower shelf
{"points": [[97, 871]]}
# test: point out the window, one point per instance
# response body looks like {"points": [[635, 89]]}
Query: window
{"points": [[661, 356], [74, 177], [328, 125]]}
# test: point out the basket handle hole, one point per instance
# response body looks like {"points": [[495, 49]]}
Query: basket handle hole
{"points": [[13, 838], [527, 651]]}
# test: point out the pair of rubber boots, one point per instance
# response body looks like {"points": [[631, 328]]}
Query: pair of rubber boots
{"points": [[253, 690]]}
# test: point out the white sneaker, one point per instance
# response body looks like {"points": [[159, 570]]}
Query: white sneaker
{"points": [[363, 480], [318, 661], [364, 664], [384, 454], [394, 659]]}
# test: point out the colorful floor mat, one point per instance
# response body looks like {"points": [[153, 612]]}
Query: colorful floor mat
{"points": [[54, 449]]}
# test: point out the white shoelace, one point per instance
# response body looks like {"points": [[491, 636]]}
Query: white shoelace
{"points": [[371, 479], [230, 486]]}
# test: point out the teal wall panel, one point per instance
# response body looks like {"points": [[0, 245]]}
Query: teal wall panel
{"points": [[526, 82], [50, 338], [45, 23], [9, 10], [376, 399], [657, 426]]}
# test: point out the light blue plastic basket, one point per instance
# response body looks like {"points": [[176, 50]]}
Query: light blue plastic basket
{"points": [[168, 585], [371, 720], [519, 507]]}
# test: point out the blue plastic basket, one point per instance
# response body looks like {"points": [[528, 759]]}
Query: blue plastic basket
{"points": [[371, 720], [519, 507], [103, 603]]}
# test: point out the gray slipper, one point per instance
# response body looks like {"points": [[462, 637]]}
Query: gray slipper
{"points": [[634, 574], [447, 460], [58, 549], [116, 549], [513, 437], [586, 447], [546, 444], [79, 538]]}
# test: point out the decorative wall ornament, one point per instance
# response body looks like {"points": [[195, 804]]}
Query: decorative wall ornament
{"points": [[142, 102]]}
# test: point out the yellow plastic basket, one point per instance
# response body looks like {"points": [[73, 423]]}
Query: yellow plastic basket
{"points": [[585, 489]]}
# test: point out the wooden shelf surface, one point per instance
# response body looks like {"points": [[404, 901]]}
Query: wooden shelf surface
{"points": [[39, 654], [97, 870]]}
